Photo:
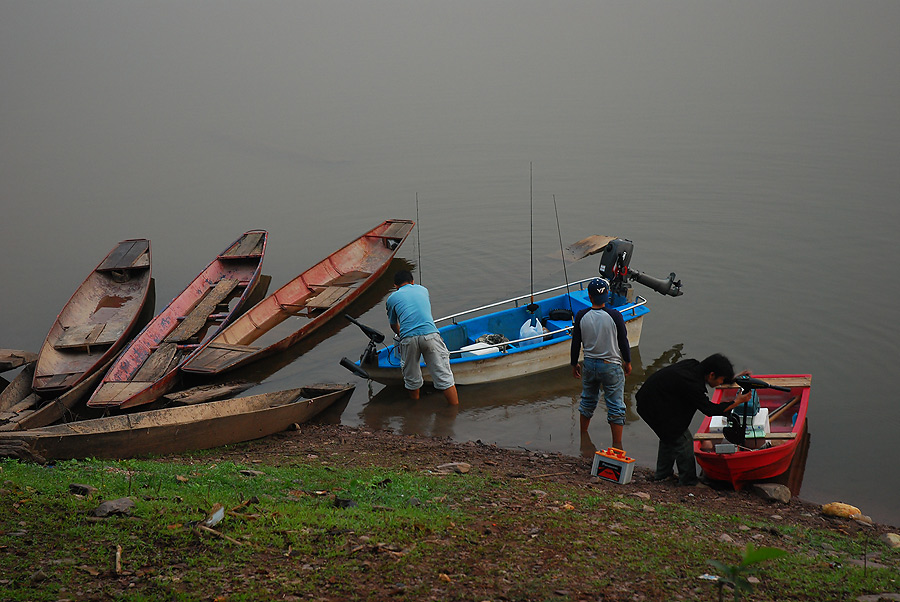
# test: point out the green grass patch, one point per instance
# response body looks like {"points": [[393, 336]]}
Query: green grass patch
{"points": [[309, 530]]}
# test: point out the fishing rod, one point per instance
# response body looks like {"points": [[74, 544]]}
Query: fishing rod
{"points": [[563, 256], [418, 240]]}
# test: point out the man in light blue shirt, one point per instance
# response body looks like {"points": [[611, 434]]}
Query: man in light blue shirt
{"points": [[409, 314]]}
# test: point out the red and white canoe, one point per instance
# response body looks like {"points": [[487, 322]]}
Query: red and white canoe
{"points": [[305, 303], [148, 367], [97, 321], [786, 433]]}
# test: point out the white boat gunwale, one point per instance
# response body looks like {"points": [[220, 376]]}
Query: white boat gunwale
{"points": [[490, 351], [579, 283]]}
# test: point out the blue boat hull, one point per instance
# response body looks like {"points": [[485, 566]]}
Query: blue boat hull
{"points": [[475, 361]]}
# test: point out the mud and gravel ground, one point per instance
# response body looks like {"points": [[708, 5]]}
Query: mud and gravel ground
{"points": [[365, 447], [470, 576]]}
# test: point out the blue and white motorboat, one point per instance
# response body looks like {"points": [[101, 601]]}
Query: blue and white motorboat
{"points": [[523, 335]]}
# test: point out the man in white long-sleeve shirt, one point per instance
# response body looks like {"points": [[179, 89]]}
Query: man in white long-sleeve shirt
{"points": [[607, 359]]}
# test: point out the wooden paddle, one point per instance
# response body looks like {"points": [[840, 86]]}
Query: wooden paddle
{"points": [[783, 408]]}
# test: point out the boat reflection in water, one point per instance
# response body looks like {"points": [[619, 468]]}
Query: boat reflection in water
{"points": [[530, 404]]}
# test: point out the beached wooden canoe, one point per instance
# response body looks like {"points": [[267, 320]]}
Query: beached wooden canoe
{"points": [[97, 321], [148, 367], [17, 390], [786, 415], [42, 412], [305, 303], [176, 429], [13, 358]]}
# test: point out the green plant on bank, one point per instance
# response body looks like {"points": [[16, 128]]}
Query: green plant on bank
{"points": [[409, 535], [733, 575]]}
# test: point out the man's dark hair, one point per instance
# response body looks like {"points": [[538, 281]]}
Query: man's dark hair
{"points": [[719, 365], [403, 277]]}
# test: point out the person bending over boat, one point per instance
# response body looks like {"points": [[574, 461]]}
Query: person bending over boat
{"points": [[409, 314], [668, 400], [607, 360]]}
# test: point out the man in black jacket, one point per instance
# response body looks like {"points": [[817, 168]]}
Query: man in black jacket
{"points": [[667, 402]]}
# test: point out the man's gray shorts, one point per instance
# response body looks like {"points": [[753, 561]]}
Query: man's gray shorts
{"points": [[437, 358]]}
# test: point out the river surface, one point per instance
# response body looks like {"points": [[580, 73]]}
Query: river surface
{"points": [[752, 148]]}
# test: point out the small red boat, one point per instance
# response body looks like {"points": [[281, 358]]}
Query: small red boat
{"points": [[97, 321], [305, 303], [786, 416], [148, 367]]}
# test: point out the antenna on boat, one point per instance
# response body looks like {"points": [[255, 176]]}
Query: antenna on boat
{"points": [[531, 307], [562, 254], [418, 240], [531, 226]]}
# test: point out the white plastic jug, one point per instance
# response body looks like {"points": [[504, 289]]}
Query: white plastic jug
{"points": [[530, 328]]}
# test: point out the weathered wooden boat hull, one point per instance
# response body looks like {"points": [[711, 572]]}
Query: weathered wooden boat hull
{"points": [[17, 390], [148, 367], [743, 467], [44, 412], [518, 359], [13, 358], [97, 321], [312, 298], [179, 429]]}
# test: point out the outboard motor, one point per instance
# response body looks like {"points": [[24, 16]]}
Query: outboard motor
{"points": [[614, 266], [736, 430], [368, 356]]}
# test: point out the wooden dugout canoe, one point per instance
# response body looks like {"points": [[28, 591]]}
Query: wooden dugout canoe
{"points": [[176, 429], [148, 367], [786, 432], [44, 412], [13, 358], [305, 303], [97, 321]]}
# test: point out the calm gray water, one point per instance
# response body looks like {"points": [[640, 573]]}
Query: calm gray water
{"points": [[749, 147]]}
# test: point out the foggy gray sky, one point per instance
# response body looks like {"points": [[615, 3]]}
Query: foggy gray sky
{"points": [[326, 81], [197, 120], [117, 116]]}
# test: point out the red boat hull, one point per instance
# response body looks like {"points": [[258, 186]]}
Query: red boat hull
{"points": [[747, 466], [304, 304]]}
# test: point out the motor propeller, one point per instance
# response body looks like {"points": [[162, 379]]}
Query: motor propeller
{"points": [[349, 365]]}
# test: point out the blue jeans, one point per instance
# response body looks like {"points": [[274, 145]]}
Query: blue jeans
{"points": [[597, 375]]}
